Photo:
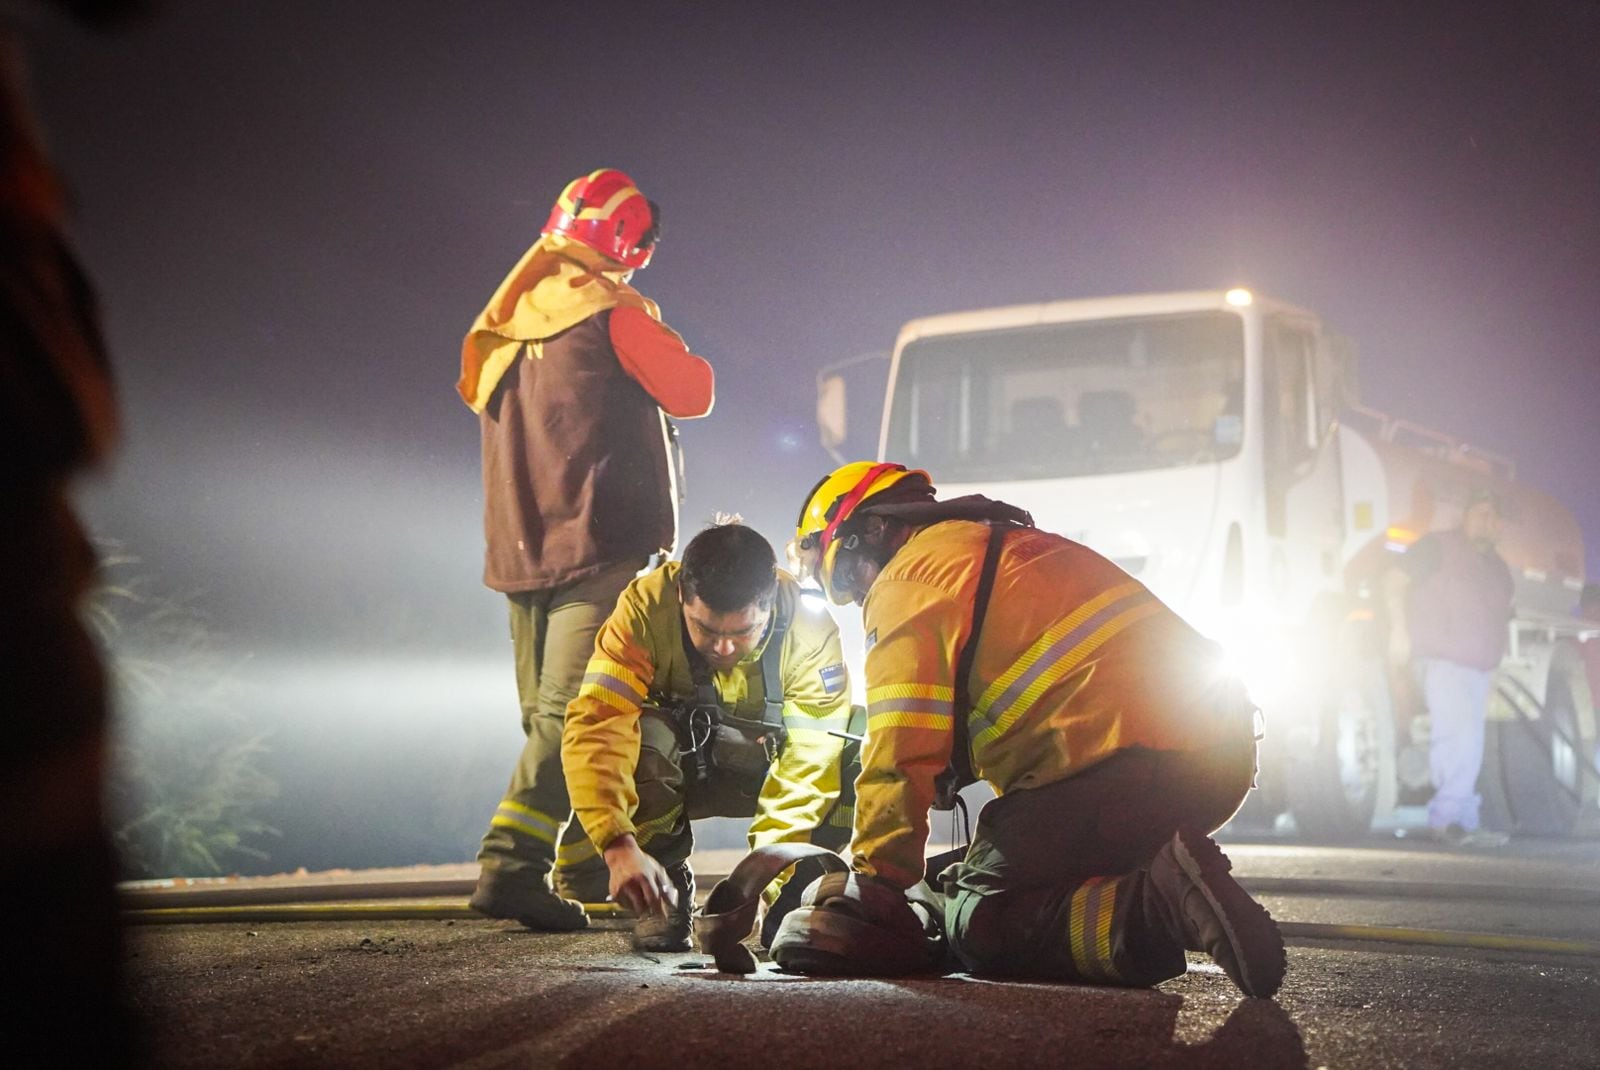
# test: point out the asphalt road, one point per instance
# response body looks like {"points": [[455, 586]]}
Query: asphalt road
{"points": [[455, 992]]}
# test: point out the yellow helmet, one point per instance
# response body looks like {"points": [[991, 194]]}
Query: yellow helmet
{"points": [[829, 506]]}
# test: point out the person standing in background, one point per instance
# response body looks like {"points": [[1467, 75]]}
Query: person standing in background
{"points": [[1449, 599], [573, 376]]}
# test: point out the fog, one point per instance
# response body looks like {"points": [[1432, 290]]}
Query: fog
{"points": [[293, 212]]}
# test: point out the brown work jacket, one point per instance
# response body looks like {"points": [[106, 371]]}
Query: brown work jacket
{"points": [[576, 468]]}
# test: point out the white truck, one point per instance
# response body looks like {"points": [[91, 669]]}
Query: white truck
{"points": [[1210, 443]]}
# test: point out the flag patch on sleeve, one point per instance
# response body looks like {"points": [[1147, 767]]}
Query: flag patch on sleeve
{"points": [[832, 678]]}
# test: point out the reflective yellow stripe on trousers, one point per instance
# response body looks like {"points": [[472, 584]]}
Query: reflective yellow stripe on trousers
{"points": [[524, 819], [1093, 905]]}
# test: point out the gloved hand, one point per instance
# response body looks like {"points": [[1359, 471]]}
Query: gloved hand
{"points": [[851, 923]]}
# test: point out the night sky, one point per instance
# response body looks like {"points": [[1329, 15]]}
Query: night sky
{"points": [[294, 211]]}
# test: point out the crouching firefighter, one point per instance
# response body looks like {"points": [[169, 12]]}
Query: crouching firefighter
{"points": [[1099, 717], [714, 691]]}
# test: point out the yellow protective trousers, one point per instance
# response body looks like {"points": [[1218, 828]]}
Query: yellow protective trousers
{"points": [[667, 806]]}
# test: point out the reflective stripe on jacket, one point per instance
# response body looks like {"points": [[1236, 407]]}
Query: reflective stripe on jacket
{"points": [[1076, 661], [639, 652]]}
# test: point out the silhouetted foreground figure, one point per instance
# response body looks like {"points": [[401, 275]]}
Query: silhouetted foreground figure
{"points": [[57, 417]]}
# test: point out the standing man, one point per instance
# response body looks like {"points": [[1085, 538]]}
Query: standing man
{"points": [[1100, 718], [573, 374], [715, 690], [1449, 600]]}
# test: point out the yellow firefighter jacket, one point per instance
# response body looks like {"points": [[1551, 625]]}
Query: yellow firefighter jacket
{"points": [[639, 656], [1076, 660]]}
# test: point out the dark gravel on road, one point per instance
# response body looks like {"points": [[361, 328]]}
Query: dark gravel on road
{"points": [[471, 994]]}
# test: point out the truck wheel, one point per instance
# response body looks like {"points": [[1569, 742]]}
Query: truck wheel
{"points": [[1545, 763], [1333, 779]]}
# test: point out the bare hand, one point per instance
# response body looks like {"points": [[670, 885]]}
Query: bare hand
{"points": [[638, 881]]}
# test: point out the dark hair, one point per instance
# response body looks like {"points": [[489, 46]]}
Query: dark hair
{"points": [[729, 567]]}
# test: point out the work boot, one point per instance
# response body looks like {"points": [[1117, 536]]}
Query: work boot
{"points": [[652, 932], [584, 884], [1217, 916], [529, 904]]}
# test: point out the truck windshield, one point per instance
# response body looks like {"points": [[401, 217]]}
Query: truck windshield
{"points": [[1070, 399]]}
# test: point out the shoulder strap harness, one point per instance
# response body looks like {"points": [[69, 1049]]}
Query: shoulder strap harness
{"points": [[958, 774]]}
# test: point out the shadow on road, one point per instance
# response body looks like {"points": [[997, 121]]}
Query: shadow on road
{"points": [[964, 1021]]}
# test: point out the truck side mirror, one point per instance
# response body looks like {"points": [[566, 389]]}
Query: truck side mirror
{"points": [[831, 411]]}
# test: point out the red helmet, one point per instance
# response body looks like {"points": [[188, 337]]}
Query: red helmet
{"points": [[605, 211]]}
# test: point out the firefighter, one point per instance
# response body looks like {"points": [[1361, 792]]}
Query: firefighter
{"points": [[1098, 716], [704, 672], [573, 375]]}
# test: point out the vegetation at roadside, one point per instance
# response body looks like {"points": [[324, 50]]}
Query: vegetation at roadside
{"points": [[186, 784]]}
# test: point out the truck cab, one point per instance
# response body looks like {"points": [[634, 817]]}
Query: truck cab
{"points": [[1196, 440], [1188, 437]]}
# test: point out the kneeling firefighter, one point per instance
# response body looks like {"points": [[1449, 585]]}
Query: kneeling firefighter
{"points": [[1100, 718], [715, 690]]}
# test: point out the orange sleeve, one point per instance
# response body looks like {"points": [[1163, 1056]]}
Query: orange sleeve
{"points": [[910, 724], [656, 357]]}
